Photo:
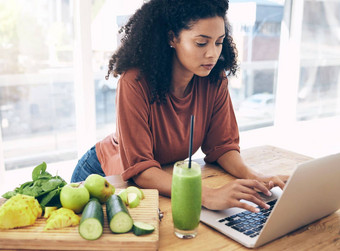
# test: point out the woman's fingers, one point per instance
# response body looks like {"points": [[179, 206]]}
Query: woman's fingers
{"points": [[248, 190], [270, 185], [282, 179], [256, 185], [279, 183], [272, 181], [245, 189], [232, 194], [247, 206], [255, 200]]}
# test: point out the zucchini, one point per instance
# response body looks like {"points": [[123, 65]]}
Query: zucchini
{"points": [[118, 216], [92, 220], [141, 228]]}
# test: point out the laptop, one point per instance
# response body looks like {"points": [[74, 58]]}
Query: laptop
{"points": [[311, 192]]}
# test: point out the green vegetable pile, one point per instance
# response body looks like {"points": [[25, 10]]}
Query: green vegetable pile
{"points": [[44, 187]]}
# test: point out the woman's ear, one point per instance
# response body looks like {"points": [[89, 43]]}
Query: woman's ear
{"points": [[171, 39]]}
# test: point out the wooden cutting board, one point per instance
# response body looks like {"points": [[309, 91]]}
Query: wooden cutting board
{"points": [[35, 238]]}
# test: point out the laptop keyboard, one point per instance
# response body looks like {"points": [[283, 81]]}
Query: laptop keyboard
{"points": [[247, 222]]}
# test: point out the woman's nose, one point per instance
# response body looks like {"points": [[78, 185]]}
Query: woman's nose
{"points": [[213, 51]]}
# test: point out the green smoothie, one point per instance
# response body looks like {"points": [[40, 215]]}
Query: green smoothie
{"points": [[186, 196]]}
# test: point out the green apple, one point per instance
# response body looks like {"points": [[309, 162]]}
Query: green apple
{"points": [[123, 195], [74, 196], [99, 187], [133, 189], [133, 200]]}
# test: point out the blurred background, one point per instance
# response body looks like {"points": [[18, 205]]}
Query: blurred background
{"points": [[55, 102]]}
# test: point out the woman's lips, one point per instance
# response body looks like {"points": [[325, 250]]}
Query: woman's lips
{"points": [[208, 66]]}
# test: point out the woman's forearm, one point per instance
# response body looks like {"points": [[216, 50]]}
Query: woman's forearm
{"points": [[223, 197], [233, 163], [155, 178]]}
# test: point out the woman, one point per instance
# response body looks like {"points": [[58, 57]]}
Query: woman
{"points": [[173, 63]]}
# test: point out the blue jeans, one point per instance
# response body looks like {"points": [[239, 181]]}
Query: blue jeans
{"points": [[88, 164]]}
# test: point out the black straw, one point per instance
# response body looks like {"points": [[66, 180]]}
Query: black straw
{"points": [[191, 138]]}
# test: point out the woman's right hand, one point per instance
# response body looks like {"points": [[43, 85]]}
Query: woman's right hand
{"points": [[230, 195]]}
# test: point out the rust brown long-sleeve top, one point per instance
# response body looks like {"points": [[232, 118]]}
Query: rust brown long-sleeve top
{"points": [[151, 135]]}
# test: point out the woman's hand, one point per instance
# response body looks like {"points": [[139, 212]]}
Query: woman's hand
{"points": [[232, 163], [230, 195], [271, 181]]}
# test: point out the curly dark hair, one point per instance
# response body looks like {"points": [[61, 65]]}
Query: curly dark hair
{"points": [[145, 44]]}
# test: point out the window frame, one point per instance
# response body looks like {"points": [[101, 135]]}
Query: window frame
{"points": [[288, 65], [286, 88]]}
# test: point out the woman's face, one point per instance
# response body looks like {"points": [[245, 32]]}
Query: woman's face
{"points": [[198, 49]]}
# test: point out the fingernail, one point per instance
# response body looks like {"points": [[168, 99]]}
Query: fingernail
{"points": [[267, 206], [257, 210], [269, 193]]}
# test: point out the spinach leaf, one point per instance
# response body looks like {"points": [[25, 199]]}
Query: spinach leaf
{"points": [[48, 197], [51, 184], [44, 187], [40, 181], [9, 194], [32, 191], [38, 170], [23, 186], [45, 175], [55, 201]]}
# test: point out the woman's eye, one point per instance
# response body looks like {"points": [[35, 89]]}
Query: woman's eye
{"points": [[200, 44]]}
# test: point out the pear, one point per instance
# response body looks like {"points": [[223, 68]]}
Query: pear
{"points": [[99, 187]]}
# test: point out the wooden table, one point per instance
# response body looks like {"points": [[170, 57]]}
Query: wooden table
{"points": [[321, 235]]}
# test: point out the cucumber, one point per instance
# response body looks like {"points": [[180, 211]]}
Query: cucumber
{"points": [[92, 220], [141, 228], [118, 216]]}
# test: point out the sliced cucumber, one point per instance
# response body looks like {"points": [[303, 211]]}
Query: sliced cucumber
{"points": [[118, 216], [141, 228], [92, 220]]}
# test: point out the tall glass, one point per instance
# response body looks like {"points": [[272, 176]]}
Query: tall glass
{"points": [[186, 198]]}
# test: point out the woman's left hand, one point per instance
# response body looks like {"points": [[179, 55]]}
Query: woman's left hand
{"points": [[272, 181], [232, 162]]}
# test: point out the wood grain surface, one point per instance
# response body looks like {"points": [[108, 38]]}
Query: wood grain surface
{"points": [[36, 238], [323, 234]]}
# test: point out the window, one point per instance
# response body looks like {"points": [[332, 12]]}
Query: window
{"points": [[289, 70], [38, 68], [256, 30], [319, 82], [108, 17], [37, 109]]}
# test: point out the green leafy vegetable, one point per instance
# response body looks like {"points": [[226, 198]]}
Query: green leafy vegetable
{"points": [[49, 196], [38, 171], [51, 184], [44, 187], [9, 194]]}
